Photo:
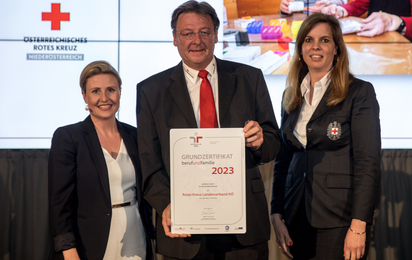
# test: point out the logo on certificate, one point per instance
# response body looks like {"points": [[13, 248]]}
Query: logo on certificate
{"points": [[196, 140]]}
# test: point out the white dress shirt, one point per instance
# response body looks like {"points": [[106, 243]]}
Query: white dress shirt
{"points": [[193, 85], [307, 110]]}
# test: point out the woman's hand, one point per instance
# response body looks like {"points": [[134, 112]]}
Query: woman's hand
{"points": [[284, 6], [378, 23], [282, 235], [354, 247], [319, 5], [71, 254], [335, 10]]}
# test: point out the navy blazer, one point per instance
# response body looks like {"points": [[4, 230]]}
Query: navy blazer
{"points": [[79, 193], [163, 103], [338, 174]]}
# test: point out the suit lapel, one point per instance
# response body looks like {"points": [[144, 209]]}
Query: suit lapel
{"points": [[97, 154], [227, 85], [289, 126], [322, 107], [180, 94]]}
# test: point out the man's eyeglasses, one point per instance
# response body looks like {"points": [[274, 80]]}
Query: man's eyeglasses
{"points": [[189, 35]]}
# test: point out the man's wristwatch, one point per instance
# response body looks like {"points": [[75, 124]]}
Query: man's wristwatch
{"points": [[401, 27]]}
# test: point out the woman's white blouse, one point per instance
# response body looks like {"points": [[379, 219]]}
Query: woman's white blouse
{"points": [[308, 109]]}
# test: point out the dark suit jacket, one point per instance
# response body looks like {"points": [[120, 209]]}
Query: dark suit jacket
{"points": [[79, 193], [163, 103], [338, 179]]}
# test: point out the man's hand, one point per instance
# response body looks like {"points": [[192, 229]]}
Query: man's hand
{"points": [[378, 23], [167, 223], [253, 135]]}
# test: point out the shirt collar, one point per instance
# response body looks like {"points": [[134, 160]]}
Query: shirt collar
{"points": [[192, 73], [323, 83]]}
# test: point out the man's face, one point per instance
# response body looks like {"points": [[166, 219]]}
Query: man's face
{"points": [[197, 53]]}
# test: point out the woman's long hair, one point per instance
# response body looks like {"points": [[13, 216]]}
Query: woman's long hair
{"points": [[340, 75]]}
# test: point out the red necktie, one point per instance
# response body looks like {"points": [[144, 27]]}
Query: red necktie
{"points": [[208, 118]]}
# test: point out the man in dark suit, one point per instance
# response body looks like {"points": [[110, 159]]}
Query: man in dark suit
{"points": [[172, 99]]}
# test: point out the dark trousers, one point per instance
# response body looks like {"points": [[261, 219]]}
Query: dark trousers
{"points": [[226, 247], [318, 243]]}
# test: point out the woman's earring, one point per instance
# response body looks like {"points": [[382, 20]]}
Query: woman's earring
{"points": [[87, 107]]}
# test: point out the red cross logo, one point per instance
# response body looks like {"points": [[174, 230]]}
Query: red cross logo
{"points": [[334, 131], [55, 16]]}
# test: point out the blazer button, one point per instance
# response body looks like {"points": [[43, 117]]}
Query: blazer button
{"points": [[304, 174], [309, 130]]}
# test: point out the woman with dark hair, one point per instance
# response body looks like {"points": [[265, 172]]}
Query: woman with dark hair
{"points": [[96, 204], [327, 174]]}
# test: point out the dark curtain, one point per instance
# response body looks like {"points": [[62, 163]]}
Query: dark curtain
{"points": [[393, 223], [24, 230]]}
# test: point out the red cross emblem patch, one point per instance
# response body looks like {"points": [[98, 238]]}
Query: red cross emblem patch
{"points": [[334, 131]]}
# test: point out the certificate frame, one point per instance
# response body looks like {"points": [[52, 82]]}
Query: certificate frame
{"points": [[208, 181]]}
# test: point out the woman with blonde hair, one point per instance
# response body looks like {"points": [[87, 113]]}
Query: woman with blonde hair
{"points": [[327, 174], [96, 205]]}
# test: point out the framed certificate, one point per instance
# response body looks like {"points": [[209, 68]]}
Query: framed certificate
{"points": [[207, 178]]}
